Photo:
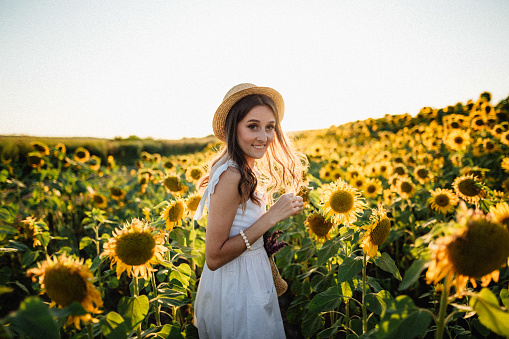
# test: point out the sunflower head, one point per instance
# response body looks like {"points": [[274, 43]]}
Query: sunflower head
{"points": [[117, 193], [135, 248], [40, 147], [100, 200], [66, 280], [404, 187], [173, 184], [35, 159], [193, 201], [377, 232], [458, 140], [468, 188], [318, 226], [373, 188], [443, 200], [81, 155], [174, 213], [341, 203], [474, 251]]}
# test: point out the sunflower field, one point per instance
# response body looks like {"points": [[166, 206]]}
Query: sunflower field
{"points": [[404, 235]]}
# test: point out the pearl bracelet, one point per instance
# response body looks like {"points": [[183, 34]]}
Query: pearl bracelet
{"points": [[245, 240]]}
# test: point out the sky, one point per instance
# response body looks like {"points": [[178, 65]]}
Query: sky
{"points": [[160, 69]]}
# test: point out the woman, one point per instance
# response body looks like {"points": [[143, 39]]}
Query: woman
{"points": [[236, 297]]}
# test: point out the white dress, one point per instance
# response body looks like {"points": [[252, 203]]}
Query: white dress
{"points": [[238, 300]]}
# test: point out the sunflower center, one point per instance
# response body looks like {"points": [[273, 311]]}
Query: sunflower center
{"points": [[480, 250], [422, 173], [64, 286], [371, 189], [458, 140], [135, 248], [319, 225], [173, 184], [196, 173], [380, 233], [469, 188], [399, 170], [342, 201], [442, 200], [176, 212], [406, 187]]}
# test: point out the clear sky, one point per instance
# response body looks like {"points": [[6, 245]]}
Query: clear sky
{"points": [[160, 68]]}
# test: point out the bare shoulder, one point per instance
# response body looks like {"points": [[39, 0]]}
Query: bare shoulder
{"points": [[229, 179]]}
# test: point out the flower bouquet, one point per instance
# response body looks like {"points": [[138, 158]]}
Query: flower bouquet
{"points": [[272, 246]]}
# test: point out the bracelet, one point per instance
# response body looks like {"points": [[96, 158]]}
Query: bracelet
{"points": [[245, 240]]}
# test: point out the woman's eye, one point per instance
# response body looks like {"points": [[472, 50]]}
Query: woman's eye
{"points": [[270, 127], [252, 126]]}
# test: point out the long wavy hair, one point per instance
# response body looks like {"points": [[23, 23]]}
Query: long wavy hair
{"points": [[280, 169]]}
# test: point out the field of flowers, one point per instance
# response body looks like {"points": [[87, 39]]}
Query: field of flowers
{"points": [[404, 234]]}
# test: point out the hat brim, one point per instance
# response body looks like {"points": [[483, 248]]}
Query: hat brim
{"points": [[222, 111]]}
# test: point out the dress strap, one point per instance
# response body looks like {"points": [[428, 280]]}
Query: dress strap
{"points": [[211, 187]]}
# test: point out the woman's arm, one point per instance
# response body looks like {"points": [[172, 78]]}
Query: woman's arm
{"points": [[220, 249]]}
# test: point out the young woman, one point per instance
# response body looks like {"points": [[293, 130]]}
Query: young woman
{"points": [[236, 297]]}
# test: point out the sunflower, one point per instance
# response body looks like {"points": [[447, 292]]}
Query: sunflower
{"points": [[504, 138], [422, 174], [30, 230], [174, 213], [135, 248], [505, 164], [35, 160], [100, 200], [81, 155], [318, 227], [145, 156], [443, 200], [468, 188], [376, 233], [168, 164], [478, 123], [353, 171], [372, 188], [476, 250], [358, 182], [66, 280], [194, 174], [458, 140], [94, 162], [192, 202], [117, 193], [173, 185], [110, 162], [340, 202], [41, 147], [404, 187], [400, 169], [500, 213], [384, 168]]}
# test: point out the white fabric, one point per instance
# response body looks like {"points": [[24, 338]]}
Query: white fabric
{"points": [[239, 299]]}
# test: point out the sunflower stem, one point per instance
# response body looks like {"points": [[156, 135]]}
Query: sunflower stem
{"points": [[156, 301], [136, 293], [364, 289], [443, 308], [90, 330], [347, 316]]}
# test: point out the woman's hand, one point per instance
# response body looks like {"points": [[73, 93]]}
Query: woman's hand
{"points": [[287, 205]]}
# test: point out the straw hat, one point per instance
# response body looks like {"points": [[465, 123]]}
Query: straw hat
{"points": [[237, 93]]}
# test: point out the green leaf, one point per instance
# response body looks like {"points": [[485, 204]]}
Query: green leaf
{"points": [[402, 319], [329, 249], [349, 268], [490, 313], [377, 302], [33, 319], [504, 295], [44, 238], [7, 229], [113, 326], [326, 301], [29, 257], [306, 251], [311, 324], [170, 331], [413, 273], [85, 241], [386, 263], [182, 274], [331, 331], [133, 310]]}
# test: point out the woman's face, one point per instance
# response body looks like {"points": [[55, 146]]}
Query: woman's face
{"points": [[255, 132]]}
